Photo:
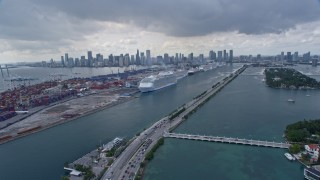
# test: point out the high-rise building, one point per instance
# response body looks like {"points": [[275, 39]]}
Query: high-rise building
{"points": [[258, 57], [76, 62], [282, 56], [176, 59], [83, 62], [306, 57], [62, 61], [166, 58], [201, 58], [148, 54], [231, 56], [138, 58], [142, 59], [295, 57], [190, 57], [66, 59], [90, 59], [126, 60], [314, 62], [219, 56], [121, 60], [132, 60], [225, 55], [289, 57], [111, 60], [211, 55]]}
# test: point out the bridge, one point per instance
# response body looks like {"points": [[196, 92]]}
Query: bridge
{"points": [[228, 140]]}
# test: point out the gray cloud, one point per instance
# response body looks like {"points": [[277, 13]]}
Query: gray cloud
{"points": [[26, 20], [195, 17], [73, 19]]}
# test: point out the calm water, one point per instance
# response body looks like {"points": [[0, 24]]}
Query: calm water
{"points": [[245, 108], [42, 155]]}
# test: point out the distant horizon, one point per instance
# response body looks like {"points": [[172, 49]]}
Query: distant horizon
{"points": [[206, 55]]}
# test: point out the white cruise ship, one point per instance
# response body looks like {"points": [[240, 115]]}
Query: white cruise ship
{"points": [[155, 82], [181, 73]]}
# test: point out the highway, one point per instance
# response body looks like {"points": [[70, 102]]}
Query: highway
{"points": [[127, 164]]}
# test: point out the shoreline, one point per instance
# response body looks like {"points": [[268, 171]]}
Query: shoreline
{"points": [[64, 121]]}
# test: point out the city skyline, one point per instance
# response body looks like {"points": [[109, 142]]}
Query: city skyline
{"points": [[41, 30]]}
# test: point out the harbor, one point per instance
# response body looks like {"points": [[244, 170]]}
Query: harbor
{"points": [[105, 125], [25, 109]]}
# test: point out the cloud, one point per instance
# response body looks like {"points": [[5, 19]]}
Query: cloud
{"points": [[41, 29], [195, 17], [25, 20]]}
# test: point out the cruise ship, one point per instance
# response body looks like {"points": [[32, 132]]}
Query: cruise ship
{"points": [[180, 73], [155, 82]]}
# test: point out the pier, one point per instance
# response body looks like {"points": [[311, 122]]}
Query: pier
{"points": [[229, 140]]}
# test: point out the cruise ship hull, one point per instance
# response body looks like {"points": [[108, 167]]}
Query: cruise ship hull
{"points": [[150, 89]]}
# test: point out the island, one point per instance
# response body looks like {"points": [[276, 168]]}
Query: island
{"points": [[304, 137], [287, 78]]}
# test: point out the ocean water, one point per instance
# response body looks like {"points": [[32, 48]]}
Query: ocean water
{"points": [[245, 108], [42, 155]]}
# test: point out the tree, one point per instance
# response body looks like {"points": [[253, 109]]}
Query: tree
{"points": [[295, 148], [65, 178]]}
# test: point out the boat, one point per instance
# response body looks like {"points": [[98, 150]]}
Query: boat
{"points": [[193, 71], [289, 157], [156, 82], [180, 73], [308, 95], [291, 100]]}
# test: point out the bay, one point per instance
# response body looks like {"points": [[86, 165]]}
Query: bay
{"points": [[42, 155]]}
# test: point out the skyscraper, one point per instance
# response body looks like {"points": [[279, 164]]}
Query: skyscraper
{"points": [[66, 58], [62, 61], [225, 55], [219, 56], [289, 57], [149, 63], [211, 55], [90, 59], [138, 58], [231, 56], [295, 56], [166, 58], [282, 56]]}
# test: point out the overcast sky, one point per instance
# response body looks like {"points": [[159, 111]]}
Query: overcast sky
{"points": [[35, 30]]}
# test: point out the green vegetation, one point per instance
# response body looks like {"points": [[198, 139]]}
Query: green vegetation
{"points": [[295, 148], [203, 93], [289, 78], [149, 155], [176, 113], [110, 162], [65, 178], [111, 152], [303, 131], [88, 174]]}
